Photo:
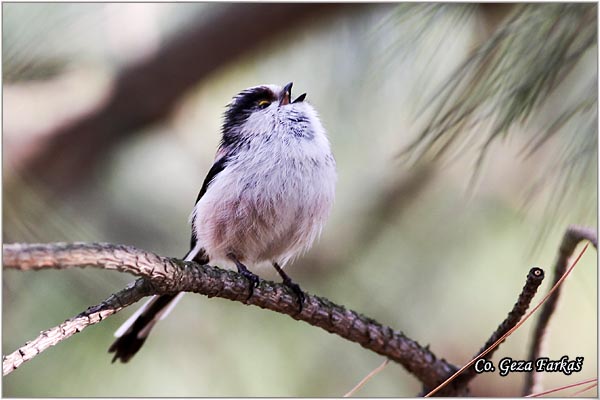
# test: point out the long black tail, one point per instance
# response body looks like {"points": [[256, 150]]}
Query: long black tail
{"points": [[133, 333], [134, 337]]}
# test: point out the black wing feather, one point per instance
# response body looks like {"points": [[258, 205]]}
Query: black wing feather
{"points": [[216, 168]]}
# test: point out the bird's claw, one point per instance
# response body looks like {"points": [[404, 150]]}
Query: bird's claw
{"points": [[297, 291], [253, 278]]}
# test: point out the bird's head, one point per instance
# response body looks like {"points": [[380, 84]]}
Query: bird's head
{"points": [[268, 110]]}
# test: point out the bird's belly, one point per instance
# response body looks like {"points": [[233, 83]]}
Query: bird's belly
{"points": [[270, 222]]}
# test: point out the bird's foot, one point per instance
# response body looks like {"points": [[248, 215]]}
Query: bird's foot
{"points": [[297, 291], [253, 278], [287, 281], [242, 270]]}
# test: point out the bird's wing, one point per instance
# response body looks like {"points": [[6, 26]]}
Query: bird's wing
{"points": [[217, 167]]}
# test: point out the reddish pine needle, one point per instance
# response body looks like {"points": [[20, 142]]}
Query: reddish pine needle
{"points": [[367, 378], [517, 326], [558, 389], [585, 389]]}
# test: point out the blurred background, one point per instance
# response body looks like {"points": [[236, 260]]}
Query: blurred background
{"points": [[466, 142]]}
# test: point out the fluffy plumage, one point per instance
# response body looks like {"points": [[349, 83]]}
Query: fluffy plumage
{"points": [[265, 199]]}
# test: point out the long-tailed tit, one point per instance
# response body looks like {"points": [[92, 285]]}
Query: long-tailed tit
{"points": [[264, 200]]}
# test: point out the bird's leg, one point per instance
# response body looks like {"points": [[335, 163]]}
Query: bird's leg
{"points": [[287, 281], [254, 279]]}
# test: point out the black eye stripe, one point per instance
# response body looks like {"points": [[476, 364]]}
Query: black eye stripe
{"points": [[240, 109], [249, 98], [246, 102]]}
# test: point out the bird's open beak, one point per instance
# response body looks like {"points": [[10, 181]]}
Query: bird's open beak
{"points": [[286, 95]]}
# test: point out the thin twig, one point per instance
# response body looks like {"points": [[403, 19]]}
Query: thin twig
{"points": [[507, 334], [533, 282], [367, 378], [573, 236], [168, 276], [91, 316]]}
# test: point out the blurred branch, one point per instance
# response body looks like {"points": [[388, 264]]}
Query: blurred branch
{"points": [[146, 92], [167, 275], [494, 14], [573, 236]]}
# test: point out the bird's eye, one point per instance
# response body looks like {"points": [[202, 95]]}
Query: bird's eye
{"points": [[264, 103]]}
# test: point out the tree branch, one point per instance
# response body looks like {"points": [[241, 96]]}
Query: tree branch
{"points": [[168, 275], [535, 277], [91, 316], [463, 376], [573, 236]]}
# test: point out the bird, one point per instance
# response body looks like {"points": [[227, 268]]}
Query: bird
{"points": [[265, 199]]}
